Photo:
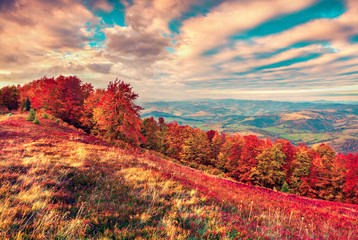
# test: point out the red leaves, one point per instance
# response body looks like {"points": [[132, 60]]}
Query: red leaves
{"points": [[111, 113], [9, 97], [313, 172], [351, 177], [62, 97], [114, 114]]}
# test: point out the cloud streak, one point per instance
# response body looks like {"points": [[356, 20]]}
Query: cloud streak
{"points": [[173, 49]]}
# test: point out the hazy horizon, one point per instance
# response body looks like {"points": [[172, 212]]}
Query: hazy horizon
{"points": [[238, 99]]}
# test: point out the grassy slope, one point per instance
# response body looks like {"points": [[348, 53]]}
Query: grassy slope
{"points": [[56, 182]]}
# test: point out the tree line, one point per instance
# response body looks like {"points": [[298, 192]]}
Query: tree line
{"points": [[112, 114], [316, 172]]}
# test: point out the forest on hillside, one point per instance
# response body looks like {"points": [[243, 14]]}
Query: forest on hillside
{"points": [[113, 115]]}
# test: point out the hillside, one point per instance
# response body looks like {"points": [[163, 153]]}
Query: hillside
{"points": [[57, 182], [309, 123]]}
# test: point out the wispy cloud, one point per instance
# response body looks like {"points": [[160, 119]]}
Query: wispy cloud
{"points": [[173, 49]]}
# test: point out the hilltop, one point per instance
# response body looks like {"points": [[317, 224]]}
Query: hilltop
{"points": [[58, 182]]}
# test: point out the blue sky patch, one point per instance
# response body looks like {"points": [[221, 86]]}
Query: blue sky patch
{"points": [[354, 39], [116, 16]]}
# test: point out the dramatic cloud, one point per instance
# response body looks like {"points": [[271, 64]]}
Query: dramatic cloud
{"points": [[141, 45], [174, 49], [100, 68]]}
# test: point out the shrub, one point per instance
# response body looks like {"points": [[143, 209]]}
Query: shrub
{"points": [[285, 188], [36, 120], [44, 116], [31, 116], [57, 120]]}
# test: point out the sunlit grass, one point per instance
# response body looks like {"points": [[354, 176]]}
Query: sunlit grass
{"points": [[57, 183]]}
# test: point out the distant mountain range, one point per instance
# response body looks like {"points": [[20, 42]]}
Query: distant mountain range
{"points": [[300, 122]]}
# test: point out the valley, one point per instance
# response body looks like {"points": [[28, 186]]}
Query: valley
{"points": [[308, 123]]}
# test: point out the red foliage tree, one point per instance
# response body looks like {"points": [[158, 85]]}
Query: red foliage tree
{"points": [[301, 169], [211, 134], [326, 176], [351, 178], [9, 97], [215, 147], [175, 138], [223, 158], [62, 97], [90, 106], [116, 114], [290, 151], [246, 157]]}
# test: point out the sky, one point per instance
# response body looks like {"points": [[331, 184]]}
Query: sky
{"points": [[284, 50]]}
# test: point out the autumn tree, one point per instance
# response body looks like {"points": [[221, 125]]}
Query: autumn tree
{"points": [[230, 147], [162, 133], [9, 97], [116, 115], [290, 151], [70, 94], [41, 93], [351, 178], [151, 132], [211, 134], [91, 107], [301, 170], [63, 97], [269, 170], [325, 151], [216, 143], [175, 137], [196, 148], [326, 174], [246, 160]]}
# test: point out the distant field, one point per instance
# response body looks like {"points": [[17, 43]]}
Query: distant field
{"points": [[306, 138]]}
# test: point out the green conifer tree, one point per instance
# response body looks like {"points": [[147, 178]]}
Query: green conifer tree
{"points": [[26, 106]]}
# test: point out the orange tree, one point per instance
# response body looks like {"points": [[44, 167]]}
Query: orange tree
{"points": [[115, 114]]}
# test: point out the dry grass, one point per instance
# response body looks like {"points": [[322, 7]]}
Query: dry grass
{"points": [[58, 183], [294, 116]]}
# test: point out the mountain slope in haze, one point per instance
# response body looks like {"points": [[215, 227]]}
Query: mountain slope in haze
{"points": [[225, 107], [57, 182], [309, 123], [337, 128]]}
